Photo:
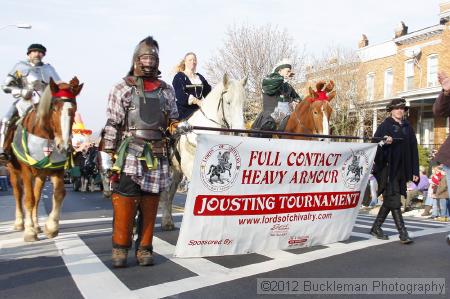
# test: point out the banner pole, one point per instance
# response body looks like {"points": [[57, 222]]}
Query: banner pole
{"points": [[200, 128]]}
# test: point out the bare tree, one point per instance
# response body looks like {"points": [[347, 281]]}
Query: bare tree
{"points": [[253, 51], [351, 115]]}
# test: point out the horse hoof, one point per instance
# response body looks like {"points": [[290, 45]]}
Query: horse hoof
{"points": [[38, 229], [167, 226], [30, 238], [19, 227], [50, 234]]}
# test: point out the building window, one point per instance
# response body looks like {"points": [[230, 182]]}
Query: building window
{"points": [[432, 69], [370, 86], [388, 80], [409, 75]]}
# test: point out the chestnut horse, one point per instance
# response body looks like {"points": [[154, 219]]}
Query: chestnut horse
{"points": [[40, 149], [312, 115]]}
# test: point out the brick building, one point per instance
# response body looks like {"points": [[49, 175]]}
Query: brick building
{"points": [[406, 66]]}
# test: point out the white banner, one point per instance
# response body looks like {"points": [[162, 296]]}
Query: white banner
{"points": [[255, 194]]}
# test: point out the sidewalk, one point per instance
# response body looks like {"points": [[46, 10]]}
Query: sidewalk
{"points": [[415, 213]]}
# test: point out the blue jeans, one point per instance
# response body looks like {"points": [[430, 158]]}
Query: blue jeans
{"points": [[3, 183]]}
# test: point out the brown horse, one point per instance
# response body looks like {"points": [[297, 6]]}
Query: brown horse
{"points": [[48, 123], [312, 115]]}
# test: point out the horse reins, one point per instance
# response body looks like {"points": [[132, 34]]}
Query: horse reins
{"points": [[227, 125]]}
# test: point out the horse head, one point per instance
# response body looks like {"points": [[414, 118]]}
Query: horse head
{"points": [[224, 105], [312, 115], [56, 110]]}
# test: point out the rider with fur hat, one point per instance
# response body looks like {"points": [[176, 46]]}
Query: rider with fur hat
{"points": [[277, 92], [396, 163], [26, 82], [140, 110], [278, 95]]}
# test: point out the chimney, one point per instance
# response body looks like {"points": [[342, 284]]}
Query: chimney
{"points": [[363, 41], [401, 29]]}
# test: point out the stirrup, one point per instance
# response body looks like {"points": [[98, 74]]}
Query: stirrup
{"points": [[4, 158]]}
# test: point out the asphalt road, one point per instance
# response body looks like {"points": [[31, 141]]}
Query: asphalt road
{"points": [[77, 263]]}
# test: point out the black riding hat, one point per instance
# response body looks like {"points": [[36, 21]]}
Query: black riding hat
{"points": [[397, 103], [36, 47]]}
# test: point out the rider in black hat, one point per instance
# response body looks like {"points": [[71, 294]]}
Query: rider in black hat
{"points": [[25, 82], [396, 163]]}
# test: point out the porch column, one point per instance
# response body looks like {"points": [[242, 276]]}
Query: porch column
{"points": [[374, 121]]}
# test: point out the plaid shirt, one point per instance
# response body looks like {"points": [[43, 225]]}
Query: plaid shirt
{"points": [[119, 100]]}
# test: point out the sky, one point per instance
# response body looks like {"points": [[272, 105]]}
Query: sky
{"points": [[95, 39]]}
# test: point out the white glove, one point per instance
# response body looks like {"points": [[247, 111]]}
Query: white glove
{"points": [[183, 128], [197, 101], [23, 93]]}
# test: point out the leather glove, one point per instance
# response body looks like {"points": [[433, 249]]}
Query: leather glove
{"points": [[173, 127]]}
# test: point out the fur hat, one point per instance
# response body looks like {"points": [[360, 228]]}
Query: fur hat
{"points": [[397, 103], [36, 47], [282, 64]]}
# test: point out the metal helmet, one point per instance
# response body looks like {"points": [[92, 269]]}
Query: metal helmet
{"points": [[147, 46]]}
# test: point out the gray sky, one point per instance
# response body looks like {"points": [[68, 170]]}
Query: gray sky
{"points": [[95, 39]]}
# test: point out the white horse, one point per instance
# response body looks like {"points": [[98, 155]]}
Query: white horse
{"points": [[222, 108]]}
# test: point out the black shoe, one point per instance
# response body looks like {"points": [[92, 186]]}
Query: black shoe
{"points": [[376, 228], [378, 233], [400, 224], [4, 158]]}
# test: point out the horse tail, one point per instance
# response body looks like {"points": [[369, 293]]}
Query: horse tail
{"points": [[210, 169]]}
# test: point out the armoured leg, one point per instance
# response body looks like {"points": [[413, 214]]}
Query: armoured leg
{"points": [[376, 228], [148, 208], [400, 224], [124, 211], [5, 135]]}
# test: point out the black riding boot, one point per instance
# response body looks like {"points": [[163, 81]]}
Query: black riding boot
{"points": [[398, 218], [376, 228]]}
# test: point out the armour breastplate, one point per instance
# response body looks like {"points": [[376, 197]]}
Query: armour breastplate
{"points": [[147, 116]]}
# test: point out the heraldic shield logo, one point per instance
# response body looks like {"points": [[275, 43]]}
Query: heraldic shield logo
{"points": [[353, 169], [220, 167]]}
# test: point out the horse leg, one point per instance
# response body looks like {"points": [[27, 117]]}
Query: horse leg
{"points": [[18, 195], [52, 225], [106, 189], [30, 234], [38, 185], [83, 183], [166, 199]]}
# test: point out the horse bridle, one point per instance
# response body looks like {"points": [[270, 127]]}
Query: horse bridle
{"points": [[314, 123], [53, 101], [221, 104]]}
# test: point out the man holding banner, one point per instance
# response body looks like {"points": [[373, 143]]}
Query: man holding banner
{"points": [[396, 162]]}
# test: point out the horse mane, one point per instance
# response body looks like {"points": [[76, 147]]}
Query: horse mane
{"points": [[45, 102]]}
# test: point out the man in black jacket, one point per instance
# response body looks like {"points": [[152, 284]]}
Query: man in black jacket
{"points": [[396, 162]]}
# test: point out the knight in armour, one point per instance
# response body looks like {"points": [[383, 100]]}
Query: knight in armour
{"points": [[141, 109], [25, 82]]}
